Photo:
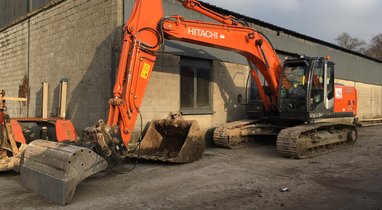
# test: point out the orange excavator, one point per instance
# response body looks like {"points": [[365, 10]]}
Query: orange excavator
{"points": [[308, 113]]}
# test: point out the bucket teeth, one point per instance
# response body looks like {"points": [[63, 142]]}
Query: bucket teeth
{"points": [[53, 169]]}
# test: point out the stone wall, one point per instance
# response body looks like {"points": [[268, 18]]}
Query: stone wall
{"points": [[369, 99], [74, 40], [14, 64]]}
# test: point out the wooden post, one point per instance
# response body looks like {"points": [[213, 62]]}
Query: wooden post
{"points": [[63, 95], [45, 100]]}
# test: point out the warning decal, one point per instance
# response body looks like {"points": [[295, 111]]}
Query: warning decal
{"points": [[338, 93], [145, 70]]}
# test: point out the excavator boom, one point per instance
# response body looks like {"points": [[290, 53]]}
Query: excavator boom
{"points": [[240, 39], [143, 37]]}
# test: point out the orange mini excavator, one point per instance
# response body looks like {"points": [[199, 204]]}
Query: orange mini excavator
{"points": [[308, 113], [16, 133]]}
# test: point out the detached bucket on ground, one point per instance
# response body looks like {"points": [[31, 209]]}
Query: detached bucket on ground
{"points": [[172, 140], [54, 169]]}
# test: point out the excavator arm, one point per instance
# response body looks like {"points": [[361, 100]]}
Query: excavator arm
{"points": [[141, 41], [272, 73], [240, 39], [143, 37]]}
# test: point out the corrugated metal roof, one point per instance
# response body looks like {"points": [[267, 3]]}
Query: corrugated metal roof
{"points": [[284, 30]]}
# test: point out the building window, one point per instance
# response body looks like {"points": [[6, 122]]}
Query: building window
{"points": [[195, 88]]}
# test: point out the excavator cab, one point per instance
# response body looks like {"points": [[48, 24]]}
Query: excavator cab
{"points": [[306, 89]]}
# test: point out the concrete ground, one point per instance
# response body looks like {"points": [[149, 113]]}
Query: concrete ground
{"points": [[246, 178]]}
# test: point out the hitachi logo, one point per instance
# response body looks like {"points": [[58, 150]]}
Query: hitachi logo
{"points": [[204, 33]]}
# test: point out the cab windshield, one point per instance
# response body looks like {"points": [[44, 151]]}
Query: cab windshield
{"points": [[294, 86]]}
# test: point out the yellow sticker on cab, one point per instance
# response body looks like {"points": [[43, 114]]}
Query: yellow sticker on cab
{"points": [[145, 70]]}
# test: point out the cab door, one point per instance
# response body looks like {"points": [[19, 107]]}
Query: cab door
{"points": [[321, 89]]}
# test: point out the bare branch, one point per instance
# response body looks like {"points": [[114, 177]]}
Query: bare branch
{"points": [[375, 48], [350, 43]]}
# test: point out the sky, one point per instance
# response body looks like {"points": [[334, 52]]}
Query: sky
{"points": [[321, 19]]}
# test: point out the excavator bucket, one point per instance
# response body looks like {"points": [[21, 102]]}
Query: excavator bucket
{"points": [[54, 169], [172, 140]]}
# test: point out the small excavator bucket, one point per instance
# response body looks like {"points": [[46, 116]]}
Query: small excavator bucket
{"points": [[172, 140], [54, 169]]}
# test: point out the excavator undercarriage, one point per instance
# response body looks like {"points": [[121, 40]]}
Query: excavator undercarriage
{"points": [[234, 134], [295, 141], [309, 140]]}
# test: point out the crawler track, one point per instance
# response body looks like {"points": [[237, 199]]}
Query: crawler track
{"points": [[233, 134], [228, 135], [311, 140]]}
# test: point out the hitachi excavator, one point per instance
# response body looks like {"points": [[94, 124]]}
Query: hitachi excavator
{"points": [[308, 113]]}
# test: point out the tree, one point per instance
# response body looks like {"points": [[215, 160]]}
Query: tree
{"points": [[350, 43], [375, 48]]}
